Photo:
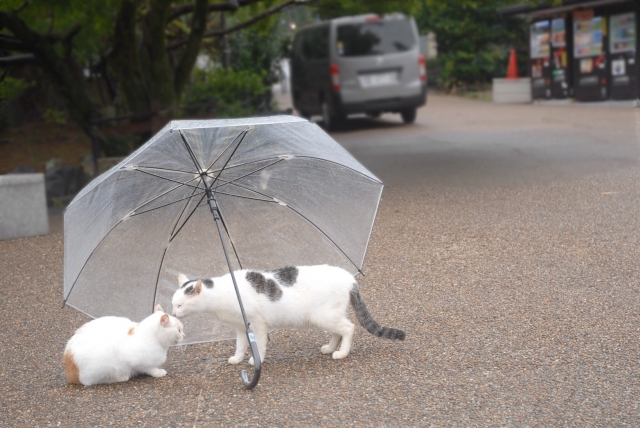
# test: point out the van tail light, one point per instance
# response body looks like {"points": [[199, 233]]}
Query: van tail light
{"points": [[422, 64], [335, 77]]}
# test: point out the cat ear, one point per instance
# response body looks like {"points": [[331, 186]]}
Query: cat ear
{"points": [[198, 287], [182, 279], [159, 308], [164, 320]]}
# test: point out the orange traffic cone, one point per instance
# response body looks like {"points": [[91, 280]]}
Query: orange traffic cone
{"points": [[512, 71]]}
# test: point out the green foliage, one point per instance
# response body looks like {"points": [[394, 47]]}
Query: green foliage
{"points": [[234, 93], [473, 40], [259, 52], [57, 16], [52, 115], [11, 88], [335, 8]]}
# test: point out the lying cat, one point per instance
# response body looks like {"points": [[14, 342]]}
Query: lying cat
{"points": [[113, 349], [298, 297]]}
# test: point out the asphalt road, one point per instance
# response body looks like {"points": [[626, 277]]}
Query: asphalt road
{"points": [[506, 246]]}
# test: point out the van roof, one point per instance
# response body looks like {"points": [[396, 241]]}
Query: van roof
{"points": [[357, 18]]}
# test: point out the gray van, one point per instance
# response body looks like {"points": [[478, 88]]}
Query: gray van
{"points": [[359, 64]]}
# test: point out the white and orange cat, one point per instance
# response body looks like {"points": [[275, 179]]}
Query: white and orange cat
{"points": [[114, 349], [291, 297]]}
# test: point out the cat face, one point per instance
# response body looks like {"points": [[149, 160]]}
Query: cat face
{"points": [[186, 300], [170, 328]]}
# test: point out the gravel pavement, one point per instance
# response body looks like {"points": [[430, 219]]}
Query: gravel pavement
{"points": [[515, 277]]}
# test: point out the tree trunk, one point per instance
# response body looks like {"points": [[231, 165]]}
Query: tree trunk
{"points": [[190, 54], [125, 61], [162, 93]]}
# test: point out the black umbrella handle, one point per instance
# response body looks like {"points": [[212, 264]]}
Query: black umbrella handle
{"points": [[249, 384]]}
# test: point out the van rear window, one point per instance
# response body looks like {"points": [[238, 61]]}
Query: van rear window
{"points": [[374, 38]]}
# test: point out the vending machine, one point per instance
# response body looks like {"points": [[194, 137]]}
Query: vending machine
{"points": [[539, 59], [560, 65], [622, 49], [590, 56]]}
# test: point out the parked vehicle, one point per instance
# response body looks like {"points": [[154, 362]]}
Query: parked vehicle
{"points": [[360, 64]]}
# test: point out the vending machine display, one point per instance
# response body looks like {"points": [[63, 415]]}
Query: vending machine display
{"points": [[622, 47], [539, 60], [590, 56], [560, 70]]}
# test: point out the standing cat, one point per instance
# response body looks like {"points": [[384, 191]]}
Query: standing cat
{"points": [[113, 349], [298, 297]]}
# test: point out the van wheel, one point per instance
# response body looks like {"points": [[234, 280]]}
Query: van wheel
{"points": [[304, 114], [409, 115], [332, 122]]}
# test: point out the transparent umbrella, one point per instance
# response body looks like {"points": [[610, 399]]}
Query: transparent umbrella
{"points": [[208, 197]]}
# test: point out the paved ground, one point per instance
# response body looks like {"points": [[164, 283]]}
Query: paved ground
{"points": [[506, 245]]}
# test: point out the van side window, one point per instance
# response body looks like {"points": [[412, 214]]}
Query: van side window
{"points": [[315, 43]]}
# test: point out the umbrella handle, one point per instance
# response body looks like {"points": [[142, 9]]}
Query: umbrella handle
{"points": [[250, 384]]}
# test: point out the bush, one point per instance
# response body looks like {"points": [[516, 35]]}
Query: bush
{"points": [[231, 93], [11, 89]]}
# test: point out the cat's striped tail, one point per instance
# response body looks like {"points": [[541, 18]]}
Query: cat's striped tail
{"points": [[365, 320]]}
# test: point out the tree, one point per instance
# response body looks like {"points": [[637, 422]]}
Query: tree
{"points": [[146, 54], [335, 8], [473, 40]]}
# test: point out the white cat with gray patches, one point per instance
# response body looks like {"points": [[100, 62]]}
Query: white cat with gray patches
{"points": [[114, 349], [291, 297]]}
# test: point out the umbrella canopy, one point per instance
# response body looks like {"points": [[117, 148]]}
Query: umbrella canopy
{"points": [[286, 192]]}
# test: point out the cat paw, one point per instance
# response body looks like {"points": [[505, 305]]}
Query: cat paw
{"points": [[235, 360], [158, 372], [251, 361], [123, 379], [338, 355], [327, 349]]}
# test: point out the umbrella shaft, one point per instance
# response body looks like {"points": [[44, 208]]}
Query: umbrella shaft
{"points": [[216, 216]]}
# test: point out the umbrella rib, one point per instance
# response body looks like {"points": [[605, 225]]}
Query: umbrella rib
{"points": [[193, 156], [153, 301], [227, 162], [339, 164], [304, 217], [170, 203], [185, 208], [247, 197], [211, 173], [166, 247], [165, 169], [327, 236], [226, 182], [226, 148], [187, 219], [162, 194], [168, 179]]}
